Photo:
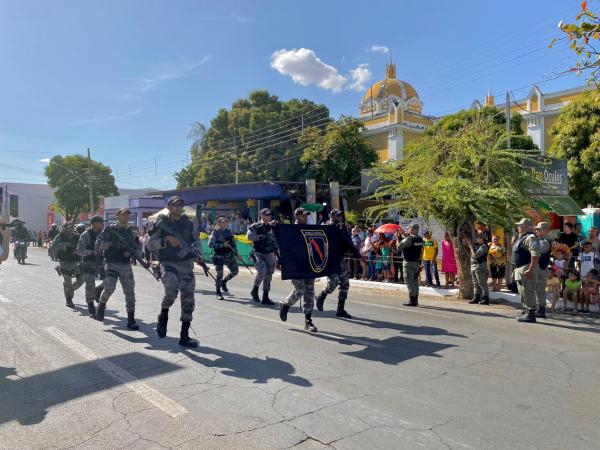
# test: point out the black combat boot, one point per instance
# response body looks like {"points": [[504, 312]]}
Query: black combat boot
{"points": [[254, 294], [219, 295], [131, 325], [161, 326], [476, 299], [485, 300], [541, 312], [100, 312], [184, 338], [224, 286], [412, 301], [91, 310], [341, 312], [308, 324], [70, 302], [283, 311], [266, 300], [321, 300], [98, 292], [528, 316]]}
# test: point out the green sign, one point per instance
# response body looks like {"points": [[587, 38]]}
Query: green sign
{"points": [[550, 175]]}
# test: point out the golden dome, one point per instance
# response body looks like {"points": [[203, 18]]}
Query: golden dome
{"points": [[390, 86]]}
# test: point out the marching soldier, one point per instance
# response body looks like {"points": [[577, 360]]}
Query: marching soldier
{"points": [[412, 249], [223, 243], [117, 243], [541, 275], [264, 247], [525, 260], [64, 247], [52, 233], [175, 238], [342, 278], [303, 288], [479, 270], [91, 262]]}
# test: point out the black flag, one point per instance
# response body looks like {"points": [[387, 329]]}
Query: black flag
{"points": [[308, 251]]}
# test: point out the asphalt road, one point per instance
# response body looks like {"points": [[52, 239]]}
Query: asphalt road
{"points": [[445, 375]]}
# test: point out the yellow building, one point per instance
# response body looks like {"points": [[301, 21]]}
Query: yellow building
{"points": [[392, 114]]}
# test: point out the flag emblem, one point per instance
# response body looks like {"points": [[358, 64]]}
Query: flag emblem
{"points": [[317, 247]]}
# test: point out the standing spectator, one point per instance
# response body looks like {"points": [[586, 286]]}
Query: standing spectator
{"points": [[144, 238], [397, 260], [571, 240], [595, 240], [369, 252], [448, 260], [40, 238], [356, 264], [380, 245], [479, 254], [430, 252], [497, 260], [587, 259], [578, 230]]}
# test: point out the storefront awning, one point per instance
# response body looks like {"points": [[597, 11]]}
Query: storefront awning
{"points": [[563, 205]]}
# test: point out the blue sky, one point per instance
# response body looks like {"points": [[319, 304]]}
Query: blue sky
{"points": [[127, 78]]}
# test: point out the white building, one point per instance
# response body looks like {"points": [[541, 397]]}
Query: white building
{"points": [[27, 202]]}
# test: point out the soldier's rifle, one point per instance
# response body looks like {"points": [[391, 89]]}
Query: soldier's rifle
{"points": [[127, 247], [239, 257]]}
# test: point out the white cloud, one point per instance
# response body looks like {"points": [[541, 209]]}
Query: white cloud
{"points": [[107, 118], [380, 49], [360, 76], [171, 71], [305, 68], [45, 160]]}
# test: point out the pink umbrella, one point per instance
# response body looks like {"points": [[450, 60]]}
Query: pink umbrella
{"points": [[387, 228]]}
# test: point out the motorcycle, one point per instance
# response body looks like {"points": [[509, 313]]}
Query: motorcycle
{"points": [[20, 250]]}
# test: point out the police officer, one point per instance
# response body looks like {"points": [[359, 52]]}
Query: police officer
{"points": [[223, 243], [541, 275], [264, 247], [175, 238], [525, 260], [52, 233], [479, 254], [342, 278], [117, 244], [64, 247], [411, 247], [91, 262], [80, 228], [303, 288]]}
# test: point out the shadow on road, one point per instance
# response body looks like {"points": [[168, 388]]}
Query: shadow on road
{"points": [[403, 328], [28, 399]]}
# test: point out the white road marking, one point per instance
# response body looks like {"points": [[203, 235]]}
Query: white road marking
{"points": [[280, 323], [3, 299], [149, 394]]}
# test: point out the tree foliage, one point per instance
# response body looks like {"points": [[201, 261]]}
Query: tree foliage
{"points": [[459, 173], [576, 135], [338, 154], [69, 175], [261, 132]]}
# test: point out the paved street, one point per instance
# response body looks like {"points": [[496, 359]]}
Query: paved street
{"points": [[446, 375]]}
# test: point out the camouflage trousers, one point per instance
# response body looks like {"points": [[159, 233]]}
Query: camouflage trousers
{"points": [[90, 272], [302, 289], [225, 260], [123, 273], [178, 278], [479, 278], [69, 271], [341, 279], [411, 277], [265, 266], [541, 280], [526, 288]]}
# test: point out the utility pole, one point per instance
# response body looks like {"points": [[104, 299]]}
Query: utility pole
{"points": [[237, 162], [89, 173], [507, 114]]}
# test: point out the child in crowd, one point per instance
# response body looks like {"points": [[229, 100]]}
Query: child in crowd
{"points": [[587, 259], [558, 265], [572, 290], [553, 288], [386, 252], [590, 292]]}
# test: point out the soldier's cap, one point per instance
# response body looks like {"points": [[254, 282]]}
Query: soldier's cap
{"points": [[335, 212], [123, 211], [175, 199], [542, 226], [301, 211], [97, 219], [265, 212], [524, 222], [414, 226], [221, 219]]}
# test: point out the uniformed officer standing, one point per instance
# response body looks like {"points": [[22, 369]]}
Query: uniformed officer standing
{"points": [[117, 242], [303, 288], [264, 247], [91, 262], [525, 259], [342, 278], [541, 275], [64, 246], [412, 251], [479, 254], [175, 238], [223, 243]]}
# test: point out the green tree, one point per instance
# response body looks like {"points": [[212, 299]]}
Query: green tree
{"points": [[576, 135], [459, 173], [69, 175], [338, 154], [261, 133], [581, 34]]}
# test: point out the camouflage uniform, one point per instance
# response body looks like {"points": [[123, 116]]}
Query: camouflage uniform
{"points": [[305, 289], [64, 246], [526, 246], [91, 263], [541, 274], [223, 256], [411, 248], [479, 272], [264, 246]]}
